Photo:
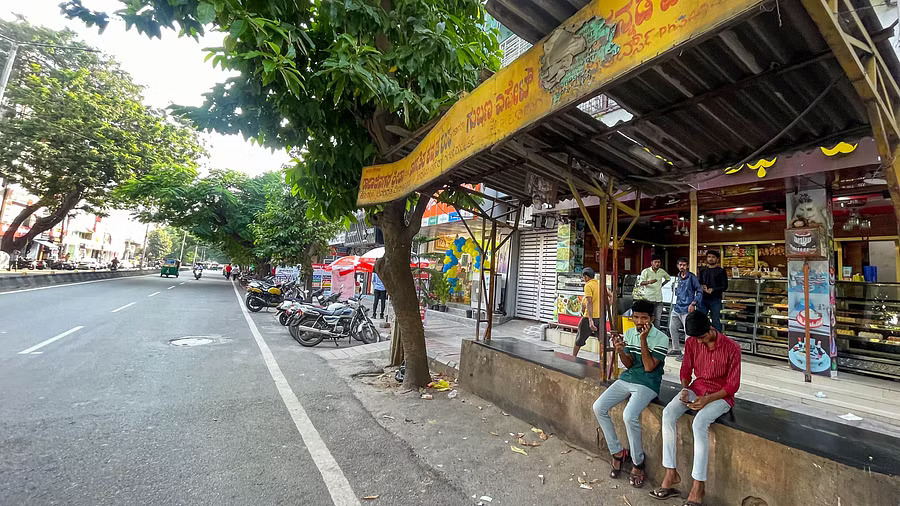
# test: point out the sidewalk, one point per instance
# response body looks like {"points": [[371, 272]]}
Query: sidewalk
{"points": [[763, 381]]}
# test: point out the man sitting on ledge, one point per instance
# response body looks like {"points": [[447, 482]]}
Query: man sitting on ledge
{"points": [[643, 351], [715, 361]]}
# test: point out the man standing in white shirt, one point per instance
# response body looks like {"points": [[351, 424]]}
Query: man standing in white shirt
{"points": [[649, 286]]}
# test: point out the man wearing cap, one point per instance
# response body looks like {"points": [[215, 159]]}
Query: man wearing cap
{"points": [[590, 310], [710, 376]]}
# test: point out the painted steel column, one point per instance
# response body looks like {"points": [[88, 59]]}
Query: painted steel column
{"points": [[692, 258]]}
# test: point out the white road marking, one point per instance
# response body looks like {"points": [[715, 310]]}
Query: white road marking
{"points": [[51, 340], [181, 283], [171, 287], [338, 486], [152, 294], [123, 307], [71, 284]]}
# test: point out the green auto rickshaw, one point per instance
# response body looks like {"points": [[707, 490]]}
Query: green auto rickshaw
{"points": [[169, 268]]}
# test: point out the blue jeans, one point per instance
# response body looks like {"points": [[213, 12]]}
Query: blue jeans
{"points": [[712, 308], [616, 393], [702, 420]]}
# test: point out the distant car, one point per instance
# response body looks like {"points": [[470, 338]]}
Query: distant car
{"points": [[62, 265], [88, 263]]}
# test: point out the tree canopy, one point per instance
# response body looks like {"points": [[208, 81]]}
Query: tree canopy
{"points": [[76, 128]]}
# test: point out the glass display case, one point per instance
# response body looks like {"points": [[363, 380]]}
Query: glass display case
{"points": [[772, 320], [739, 311], [868, 326]]}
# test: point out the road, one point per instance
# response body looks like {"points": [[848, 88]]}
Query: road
{"points": [[98, 407]]}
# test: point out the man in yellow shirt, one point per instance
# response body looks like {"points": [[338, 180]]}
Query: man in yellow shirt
{"points": [[590, 310]]}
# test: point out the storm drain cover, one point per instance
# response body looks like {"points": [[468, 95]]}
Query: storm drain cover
{"points": [[192, 341]]}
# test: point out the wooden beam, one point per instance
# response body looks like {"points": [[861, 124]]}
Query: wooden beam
{"points": [[584, 212]]}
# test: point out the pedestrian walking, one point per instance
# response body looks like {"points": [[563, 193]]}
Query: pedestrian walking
{"points": [[380, 295], [649, 286], [227, 270], [710, 376], [714, 282], [590, 310], [643, 352], [688, 294]]}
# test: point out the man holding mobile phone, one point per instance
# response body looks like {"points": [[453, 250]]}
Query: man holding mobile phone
{"points": [[710, 376], [643, 352]]}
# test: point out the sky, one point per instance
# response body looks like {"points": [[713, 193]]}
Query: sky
{"points": [[172, 71]]}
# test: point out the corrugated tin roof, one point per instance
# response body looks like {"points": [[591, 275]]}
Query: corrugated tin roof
{"points": [[714, 103]]}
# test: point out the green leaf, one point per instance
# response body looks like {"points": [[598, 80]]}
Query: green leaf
{"points": [[206, 13], [238, 28]]}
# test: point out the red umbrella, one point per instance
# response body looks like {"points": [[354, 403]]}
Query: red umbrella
{"points": [[344, 264]]}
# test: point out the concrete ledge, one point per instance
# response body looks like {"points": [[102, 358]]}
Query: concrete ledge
{"points": [[9, 283], [742, 464]]}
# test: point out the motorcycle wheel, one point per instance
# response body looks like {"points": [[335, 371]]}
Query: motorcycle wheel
{"points": [[305, 338], [283, 319], [254, 304], [369, 334]]}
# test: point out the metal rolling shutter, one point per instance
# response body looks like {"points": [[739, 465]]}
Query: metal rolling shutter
{"points": [[536, 279]]}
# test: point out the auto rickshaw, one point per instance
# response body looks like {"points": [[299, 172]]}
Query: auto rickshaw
{"points": [[169, 268]]}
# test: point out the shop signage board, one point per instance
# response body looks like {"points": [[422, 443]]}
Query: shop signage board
{"points": [[321, 278], [283, 274], [598, 45], [808, 243]]}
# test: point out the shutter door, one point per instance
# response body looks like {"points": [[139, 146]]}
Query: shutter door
{"points": [[536, 279]]}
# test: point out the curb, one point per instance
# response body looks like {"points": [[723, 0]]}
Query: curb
{"points": [[10, 283]]}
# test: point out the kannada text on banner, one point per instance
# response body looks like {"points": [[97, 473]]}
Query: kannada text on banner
{"points": [[603, 41]]}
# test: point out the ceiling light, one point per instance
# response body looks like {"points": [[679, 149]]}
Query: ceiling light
{"points": [[874, 181], [757, 188], [865, 224], [843, 198], [740, 227], [738, 209], [712, 227], [730, 226], [721, 227]]}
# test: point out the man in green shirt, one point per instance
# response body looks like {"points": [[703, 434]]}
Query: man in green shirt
{"points": [[643, 352], [649, 286]]}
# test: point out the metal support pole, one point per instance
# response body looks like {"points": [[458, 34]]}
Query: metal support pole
{"points": [[807, 374], [7, 70], [144, 247], [604, 249], [615, 323], [181, 255], [490, 301], [692, 250]]}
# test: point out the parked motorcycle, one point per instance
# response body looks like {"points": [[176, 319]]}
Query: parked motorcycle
{"points": [[197, 274], [311, 325], [262, 294]]}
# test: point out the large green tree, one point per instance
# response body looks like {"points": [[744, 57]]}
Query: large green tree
{"points": [[159, 243], [75, 128], [339, 83]]}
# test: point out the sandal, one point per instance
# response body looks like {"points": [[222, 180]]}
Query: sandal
{"points": [[614, 473], [637, 480], [664, 493], [691, 503]]}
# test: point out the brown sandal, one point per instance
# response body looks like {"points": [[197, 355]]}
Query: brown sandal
{"points": [[637, 480], [614, 473], [664, 493]]}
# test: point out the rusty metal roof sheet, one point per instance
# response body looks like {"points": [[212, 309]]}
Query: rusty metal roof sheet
{"points": [[715, 103]]}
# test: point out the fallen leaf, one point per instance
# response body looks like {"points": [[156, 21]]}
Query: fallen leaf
{"points": [[389, 417], [595, 480], [586, 486], [370, 498], [581, 480], [517, 450], [526, 443], [495, 434], [567, 450], [504, 413], [486, 498], [626, 500], [544, 436]]}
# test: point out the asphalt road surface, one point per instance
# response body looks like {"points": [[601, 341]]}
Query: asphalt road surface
{"points": [[99, 407]]}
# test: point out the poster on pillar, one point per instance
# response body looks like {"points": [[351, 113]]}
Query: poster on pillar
{"points": [[810, 208]]}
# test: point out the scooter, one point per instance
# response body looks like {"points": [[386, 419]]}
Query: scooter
{"points": [[197, 273]]}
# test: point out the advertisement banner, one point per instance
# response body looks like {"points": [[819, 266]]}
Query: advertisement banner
{"points": [[809, 217], [599, 44], [283, 274], [321, 278]]}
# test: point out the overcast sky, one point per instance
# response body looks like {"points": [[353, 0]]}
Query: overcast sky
{"points": [[171, 70]]}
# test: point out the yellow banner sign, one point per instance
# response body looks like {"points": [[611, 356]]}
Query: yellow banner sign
{"points": [[599, 44]]}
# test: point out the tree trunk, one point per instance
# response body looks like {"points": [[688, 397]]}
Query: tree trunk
{"points": [[394, 271], [42, 224]]}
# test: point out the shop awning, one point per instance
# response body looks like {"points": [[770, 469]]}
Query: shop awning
{"points": [[732, 84], [46, 243]]}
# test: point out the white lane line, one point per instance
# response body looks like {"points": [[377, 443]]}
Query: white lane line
{"points": [[152, 294], [72, 284], [171, 287], [181, 283], [51, 340], [338, 486], [123, 307]]}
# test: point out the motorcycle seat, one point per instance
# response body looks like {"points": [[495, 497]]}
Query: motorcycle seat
{"points": [[324, 311]]}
